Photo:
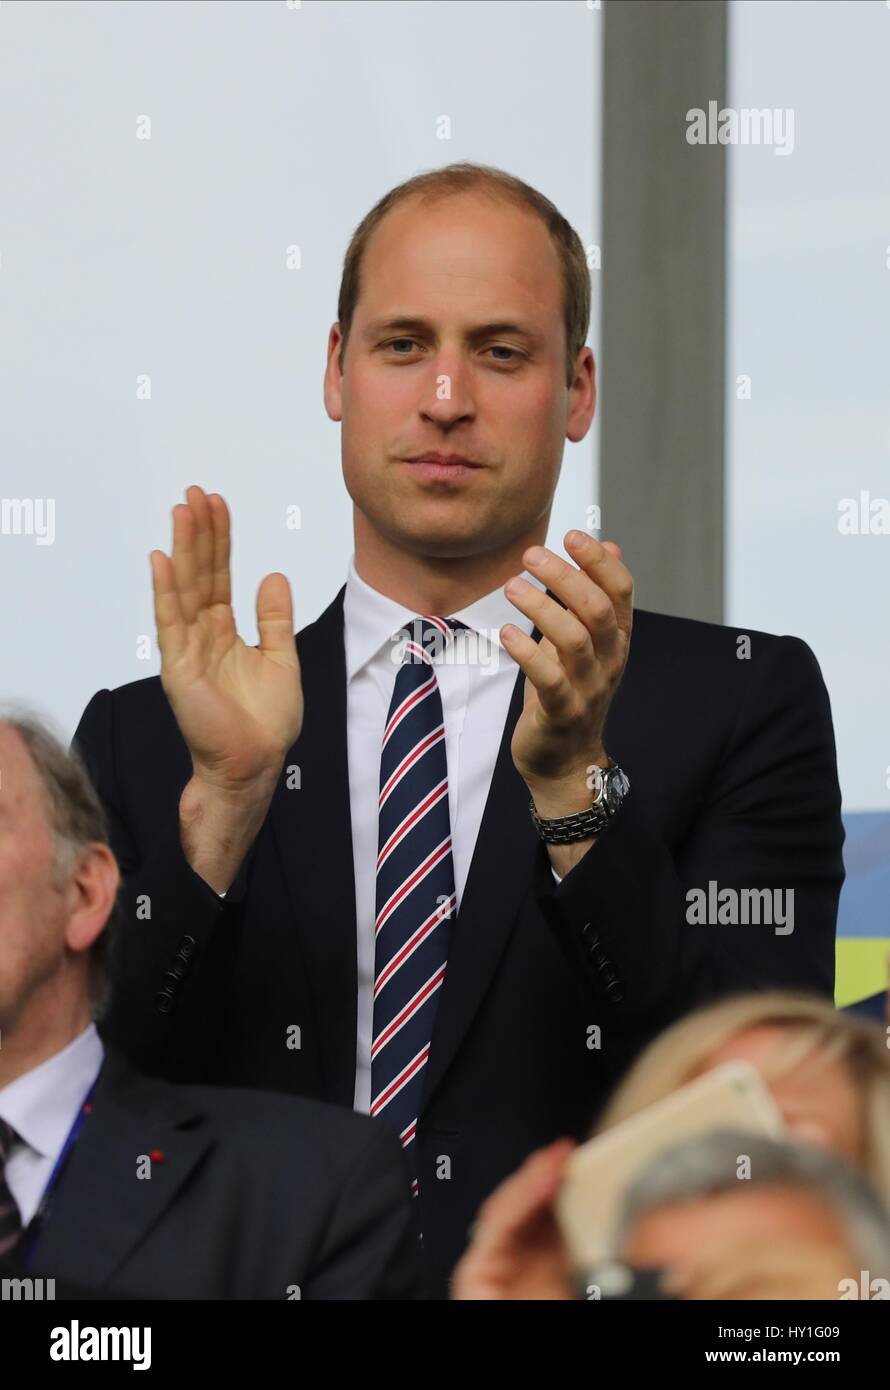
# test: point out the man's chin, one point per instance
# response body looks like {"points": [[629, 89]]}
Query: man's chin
{"points": [[435, 544]]}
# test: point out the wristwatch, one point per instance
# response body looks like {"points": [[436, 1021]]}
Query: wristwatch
{"points": [[609, 786]]}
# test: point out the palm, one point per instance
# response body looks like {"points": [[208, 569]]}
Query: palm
{"points": [[239, 708]]}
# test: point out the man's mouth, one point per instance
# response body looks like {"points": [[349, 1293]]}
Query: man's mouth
{"points": [[446, 467]]}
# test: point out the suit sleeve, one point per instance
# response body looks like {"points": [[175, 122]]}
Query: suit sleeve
{"points": [[370, 1246], [770, 821], [162, 949]]}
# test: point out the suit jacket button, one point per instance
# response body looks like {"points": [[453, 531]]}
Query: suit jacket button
{"points": [[615, 991], [163, 1002]]}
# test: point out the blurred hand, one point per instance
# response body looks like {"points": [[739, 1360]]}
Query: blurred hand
{"points": [[516, 1250], [239, 708]]}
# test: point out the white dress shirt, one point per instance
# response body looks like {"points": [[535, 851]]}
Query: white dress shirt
{"points": [[41, 1106], [476, 677]]}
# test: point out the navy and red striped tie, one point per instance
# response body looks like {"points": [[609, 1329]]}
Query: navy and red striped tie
{"points": [[416, 897]]}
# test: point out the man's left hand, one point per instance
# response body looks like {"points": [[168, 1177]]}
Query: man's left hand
{"points": [[571, 673]]}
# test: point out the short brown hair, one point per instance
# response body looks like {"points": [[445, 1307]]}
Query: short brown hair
{"points": [[449, 181]]}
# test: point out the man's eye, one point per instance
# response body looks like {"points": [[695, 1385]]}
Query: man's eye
{"points": [[513, 355]]}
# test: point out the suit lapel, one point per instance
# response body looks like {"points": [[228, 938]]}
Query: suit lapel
{"points": [[102, 1208], [313, 833]]}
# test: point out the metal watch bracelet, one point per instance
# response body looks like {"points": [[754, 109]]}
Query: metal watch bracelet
{"points": [[567, 830]]}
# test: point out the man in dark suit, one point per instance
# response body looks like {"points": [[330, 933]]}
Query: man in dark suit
{"points": [[208, 1192], [116, 1183], [298, 822]]}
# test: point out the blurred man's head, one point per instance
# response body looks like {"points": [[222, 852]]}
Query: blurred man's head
{"points": [[58, 883], [463, 314], [827, 1070], [725, 1202]]}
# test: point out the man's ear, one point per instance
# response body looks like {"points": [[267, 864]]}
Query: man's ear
{"points": [[582, 405], [92, 891], [333, 399]]}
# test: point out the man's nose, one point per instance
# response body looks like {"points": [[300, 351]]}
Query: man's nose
{"points": [[449, 397]]}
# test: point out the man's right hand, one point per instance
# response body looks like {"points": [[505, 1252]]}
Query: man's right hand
{"points": [[239, 708]]}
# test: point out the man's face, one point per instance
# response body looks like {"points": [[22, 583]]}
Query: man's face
{"points": [[33, 913], [451, 383], [735, 1231]]}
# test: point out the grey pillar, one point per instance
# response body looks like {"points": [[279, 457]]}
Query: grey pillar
{"points": [[663, 274]]}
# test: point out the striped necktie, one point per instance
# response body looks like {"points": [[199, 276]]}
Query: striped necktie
{"points": [[10, 1217], [415, 896]]}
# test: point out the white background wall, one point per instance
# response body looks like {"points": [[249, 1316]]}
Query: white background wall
{"points": [[270, 126], [809, 321]]}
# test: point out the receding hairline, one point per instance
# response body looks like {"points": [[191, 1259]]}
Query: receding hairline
{"points": [[432, 197]]}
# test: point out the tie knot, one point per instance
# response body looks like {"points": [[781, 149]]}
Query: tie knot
{"points": [[425, 638]]}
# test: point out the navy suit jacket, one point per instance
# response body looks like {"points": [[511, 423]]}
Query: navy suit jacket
{"points": [[248, 1195], [550, 991]]}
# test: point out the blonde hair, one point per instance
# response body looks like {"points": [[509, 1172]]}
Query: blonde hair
{"points": [[811, 1024]]}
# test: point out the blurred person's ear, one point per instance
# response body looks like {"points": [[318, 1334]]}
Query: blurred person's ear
{"points": [[90, 896]]}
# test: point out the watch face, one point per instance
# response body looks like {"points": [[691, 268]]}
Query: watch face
{"points": [[616, 787]]}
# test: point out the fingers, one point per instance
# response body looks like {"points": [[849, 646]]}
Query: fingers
{"points": [[275, 618], [588, 605], [168, 614], [197, 500], [564, 627], [537, 661], [185, 566], [222, 578], [201, 549], [602, 563]]}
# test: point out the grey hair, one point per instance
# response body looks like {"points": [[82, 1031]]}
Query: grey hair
{"points": [[77, 819], [709, 1164]]}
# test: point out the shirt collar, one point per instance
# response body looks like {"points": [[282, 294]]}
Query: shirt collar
{"points": [[42, 1104], [370, 618]]}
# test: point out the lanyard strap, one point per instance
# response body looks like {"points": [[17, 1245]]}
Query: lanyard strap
{"points": [[38, 1221]]}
